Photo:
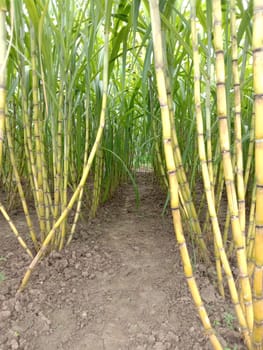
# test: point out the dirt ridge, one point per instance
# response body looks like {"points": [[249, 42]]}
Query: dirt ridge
{"points": [[119, 286]]}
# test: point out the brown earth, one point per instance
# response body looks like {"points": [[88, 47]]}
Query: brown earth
{"points": [[119, 286]]}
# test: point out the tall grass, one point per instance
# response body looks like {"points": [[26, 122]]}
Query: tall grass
{"points": [[90, 91]]}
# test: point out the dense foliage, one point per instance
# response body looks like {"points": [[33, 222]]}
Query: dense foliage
{"points": [[91, 91]]}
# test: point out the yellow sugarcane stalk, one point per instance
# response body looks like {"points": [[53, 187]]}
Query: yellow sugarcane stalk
{"points": [[237, 111], [98, 172], [227, 164], [184, 188], [88, 165], [78, 209], [159, 161], [251, 224], [19, 186], [57, 155], [3, 62], [171, 169], [250, 150], [257, 43], [15, 231], [37, 137], [200, 134]]}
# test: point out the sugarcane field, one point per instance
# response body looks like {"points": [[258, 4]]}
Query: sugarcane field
{"points": [[131, 175]]}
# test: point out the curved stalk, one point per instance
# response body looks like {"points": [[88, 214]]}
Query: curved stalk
{"points": [[227, 164], [92, 154], [171, 169]]}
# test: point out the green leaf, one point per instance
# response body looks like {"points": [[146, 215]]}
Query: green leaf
{"points": [[2, 276], [33, 12]]}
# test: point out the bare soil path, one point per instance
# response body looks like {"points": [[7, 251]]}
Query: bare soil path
{"points": [[119, 286]]}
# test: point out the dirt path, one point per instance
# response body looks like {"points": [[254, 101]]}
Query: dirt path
{"points": [[119, 286]]}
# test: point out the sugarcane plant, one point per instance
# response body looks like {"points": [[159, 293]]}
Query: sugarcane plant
{"points": [[246, 294], [52, 114], [91, 91]]}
